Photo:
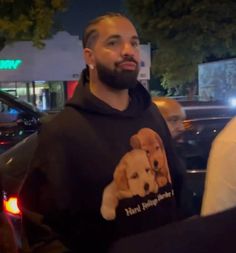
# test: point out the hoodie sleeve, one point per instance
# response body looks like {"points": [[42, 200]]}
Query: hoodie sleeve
{"points": [[43, 195]]}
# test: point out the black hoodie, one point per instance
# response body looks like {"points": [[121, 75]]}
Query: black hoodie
{"points": [[99, 174]]}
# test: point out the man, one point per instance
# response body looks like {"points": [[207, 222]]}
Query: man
{"points": [[220, 184], [91, 179], [173, 114]]}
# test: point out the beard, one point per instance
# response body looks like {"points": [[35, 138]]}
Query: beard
{"points": [[118, 79]]}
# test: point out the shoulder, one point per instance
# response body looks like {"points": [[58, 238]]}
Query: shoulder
{"points": [[228, 134]]}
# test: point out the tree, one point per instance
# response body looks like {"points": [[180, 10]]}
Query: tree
{"points": [[185, 33], [28, 20]]}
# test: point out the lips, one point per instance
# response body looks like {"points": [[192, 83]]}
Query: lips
{"points": [[128, 65]]}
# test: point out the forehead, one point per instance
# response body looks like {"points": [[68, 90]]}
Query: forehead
{"points": [[116, 26], [176, 111]]}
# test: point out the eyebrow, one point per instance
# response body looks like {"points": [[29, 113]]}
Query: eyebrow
{"points": [[175, 117], [117, 36]]}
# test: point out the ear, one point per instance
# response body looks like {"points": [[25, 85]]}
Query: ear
{"points": [[159, 140], [91, 66], [120, 177], [89, 57], [135, 142], [164, 156]]}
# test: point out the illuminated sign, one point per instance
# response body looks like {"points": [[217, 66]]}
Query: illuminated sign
{"points": [[10, 64]]}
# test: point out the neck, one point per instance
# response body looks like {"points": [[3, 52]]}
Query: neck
{"points": [[118, 99]]}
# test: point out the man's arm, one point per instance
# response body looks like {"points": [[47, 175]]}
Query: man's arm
{"points": [[42, 196]]}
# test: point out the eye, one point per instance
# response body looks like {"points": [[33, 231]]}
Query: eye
{"points": [[157, 147], [112, 43], [148, 152], [147, 170], [134, 176], [135, 43]]}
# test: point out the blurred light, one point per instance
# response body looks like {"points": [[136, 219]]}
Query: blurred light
{"points": [[10, 64], [4, 142], [232, 102], [9, 161], [11, 205]]}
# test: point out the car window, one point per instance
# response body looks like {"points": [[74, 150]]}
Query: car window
{"points": [[8, 113], [197, 140]]}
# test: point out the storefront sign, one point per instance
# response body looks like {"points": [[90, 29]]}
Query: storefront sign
{"points": [[10, 64]]}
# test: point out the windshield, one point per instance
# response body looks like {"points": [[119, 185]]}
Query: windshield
{"points": [[21, 101]]}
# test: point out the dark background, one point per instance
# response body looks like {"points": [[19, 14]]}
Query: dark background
{"points": [[80, 12]]}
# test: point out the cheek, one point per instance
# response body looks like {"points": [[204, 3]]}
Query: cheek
{"points": [[134, 184], [137, 56], [170, 126], [108, 55]]}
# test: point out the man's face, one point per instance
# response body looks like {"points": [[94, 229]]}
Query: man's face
{"points": [[116, 53], [174, 119]]}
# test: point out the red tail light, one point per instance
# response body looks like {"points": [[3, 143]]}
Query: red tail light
{"points": [[11, 206], [4, 142]]}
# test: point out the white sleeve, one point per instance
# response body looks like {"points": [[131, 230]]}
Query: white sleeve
{"points": [[220, 184]]}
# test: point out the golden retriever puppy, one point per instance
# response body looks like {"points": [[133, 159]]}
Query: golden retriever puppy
{"points": [[133, 176], [151, 143]]}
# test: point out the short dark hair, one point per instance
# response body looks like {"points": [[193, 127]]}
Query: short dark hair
{"points": [[90, 34]]}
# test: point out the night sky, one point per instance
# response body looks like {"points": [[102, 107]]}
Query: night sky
{"points": [[80, 12]]}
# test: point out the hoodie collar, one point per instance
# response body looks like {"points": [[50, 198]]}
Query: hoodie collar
{"points": [[84, 100]]}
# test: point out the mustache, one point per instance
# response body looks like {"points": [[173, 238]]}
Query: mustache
{"points": [[127, 59]]}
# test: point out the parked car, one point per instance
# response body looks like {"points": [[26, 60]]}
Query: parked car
{"points": [[18, 119], [197, 109], [195, 147]]}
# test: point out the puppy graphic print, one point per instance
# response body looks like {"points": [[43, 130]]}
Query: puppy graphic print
{"points": [[140, 172], [149, 141]]}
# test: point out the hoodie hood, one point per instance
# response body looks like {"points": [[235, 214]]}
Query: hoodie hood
{"points": [[84, 100]]}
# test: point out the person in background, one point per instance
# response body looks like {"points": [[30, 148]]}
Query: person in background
{"points": [[104, 167], [173, 114], [7, 237], [220, 183]]}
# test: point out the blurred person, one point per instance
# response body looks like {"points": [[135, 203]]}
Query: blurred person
{"points": [[173, 114], [104, 167], [220, 183], [7, 237]]}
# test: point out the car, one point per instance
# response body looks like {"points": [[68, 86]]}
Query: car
{"points": [[201, 109], [18, 119], [195, 146]]}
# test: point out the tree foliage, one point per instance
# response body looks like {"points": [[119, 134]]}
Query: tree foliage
{"points": [[185, 33], [28, 19]]}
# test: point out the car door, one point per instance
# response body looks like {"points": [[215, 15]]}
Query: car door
{"points": [[15, 124]]}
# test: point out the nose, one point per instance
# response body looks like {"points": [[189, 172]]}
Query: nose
{"points": [[180, 126], [146, 187], [155, 163], [128, 49]]}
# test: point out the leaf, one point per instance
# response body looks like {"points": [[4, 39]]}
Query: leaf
{"points": [[185, 33], [29, 19]]}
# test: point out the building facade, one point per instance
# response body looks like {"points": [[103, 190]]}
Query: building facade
{"points": [[47, 77]]}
